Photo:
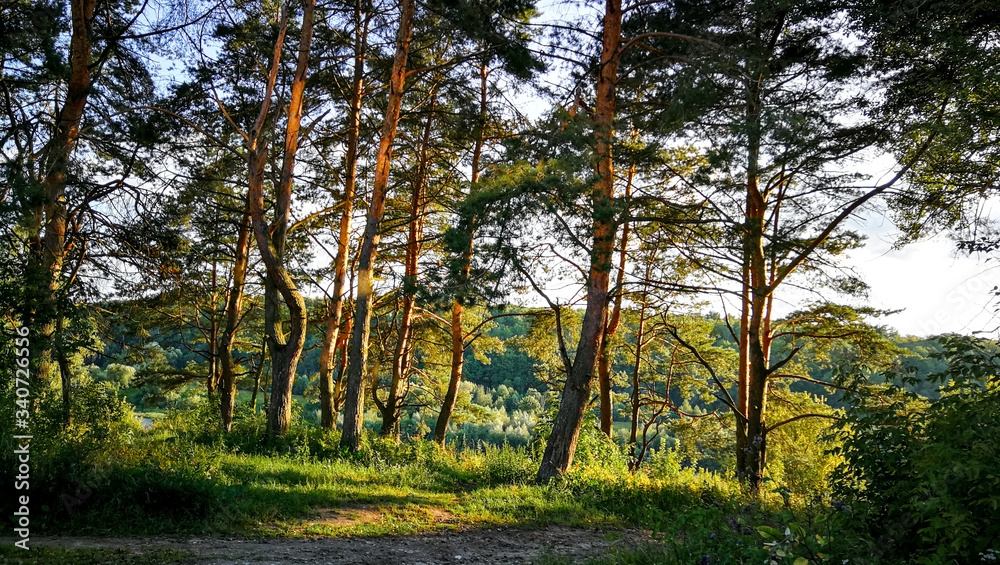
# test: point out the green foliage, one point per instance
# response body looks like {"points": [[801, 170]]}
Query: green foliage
{"points": [[923, 473], [503, 464], [799, 458]]}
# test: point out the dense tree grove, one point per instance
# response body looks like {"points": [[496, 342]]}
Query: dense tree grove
{"points": [[567, 226]]}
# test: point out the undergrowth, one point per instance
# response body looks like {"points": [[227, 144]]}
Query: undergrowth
{"points": [[183, 477]]}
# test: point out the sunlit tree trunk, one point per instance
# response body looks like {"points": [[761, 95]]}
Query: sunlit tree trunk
{"points": [[358, 358], [561, 445], [53, 214], [751, 447], [604, 363], [328, 392], [404, 336], [285, 351], [234, 307]]}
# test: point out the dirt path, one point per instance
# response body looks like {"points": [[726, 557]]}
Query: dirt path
{"points": [[488, 546]]}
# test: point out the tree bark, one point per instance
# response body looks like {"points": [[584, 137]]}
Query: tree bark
{"points": [[636, 365], [212, 340], [54, 209], [234, 307], [604, 363], [458, 306], [404, 336], [561, 446], [328, 410], [285, 351], [358, 359], [751, 445], [343, 343]]}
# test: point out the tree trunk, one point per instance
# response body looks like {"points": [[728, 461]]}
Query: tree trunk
{"points": [[212, 381], [64, 373], [234, 307], [404, 335], [257, 375], [751, 447], [56, 165], [354, 400], [285, 352], [604, 363], [633, 435], [343, 342], [458, 306], [561, 445], [743, 370], [328, 410]]}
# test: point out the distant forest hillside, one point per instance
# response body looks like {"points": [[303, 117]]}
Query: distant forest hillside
{"points": [[163, 370]]}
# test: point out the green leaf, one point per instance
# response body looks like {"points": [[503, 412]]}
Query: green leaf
{"points": [[768, 532]]}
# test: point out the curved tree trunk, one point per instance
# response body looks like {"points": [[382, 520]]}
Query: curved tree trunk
{"points": [[561, 446], [285, 351], [358, 359]]}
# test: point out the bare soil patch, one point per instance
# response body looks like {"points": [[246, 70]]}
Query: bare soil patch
{"points": [[346, 515]]}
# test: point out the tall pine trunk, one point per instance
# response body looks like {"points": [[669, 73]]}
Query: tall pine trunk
{"points": [[458, 306], [358, 358], [751, 440], [392, 408], [604, 363], [328, 392], [51, 242], [561, 445]]}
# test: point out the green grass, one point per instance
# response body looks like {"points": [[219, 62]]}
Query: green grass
{"points": [[179, 479], [163, 484]]}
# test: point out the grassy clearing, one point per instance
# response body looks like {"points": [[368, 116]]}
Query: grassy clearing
{"points": [[159, 487], [181, 479]]}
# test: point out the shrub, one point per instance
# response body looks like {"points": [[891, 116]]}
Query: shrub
{"points": [[923, 473], [505, 464]]}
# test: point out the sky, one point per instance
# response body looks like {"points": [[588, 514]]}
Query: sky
{"points": [[939, 289]]}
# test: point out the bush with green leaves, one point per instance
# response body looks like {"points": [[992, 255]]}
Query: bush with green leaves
{"points": [[923, 473]]}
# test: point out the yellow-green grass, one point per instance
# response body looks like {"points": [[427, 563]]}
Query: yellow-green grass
{"points": [[290, 497]]}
